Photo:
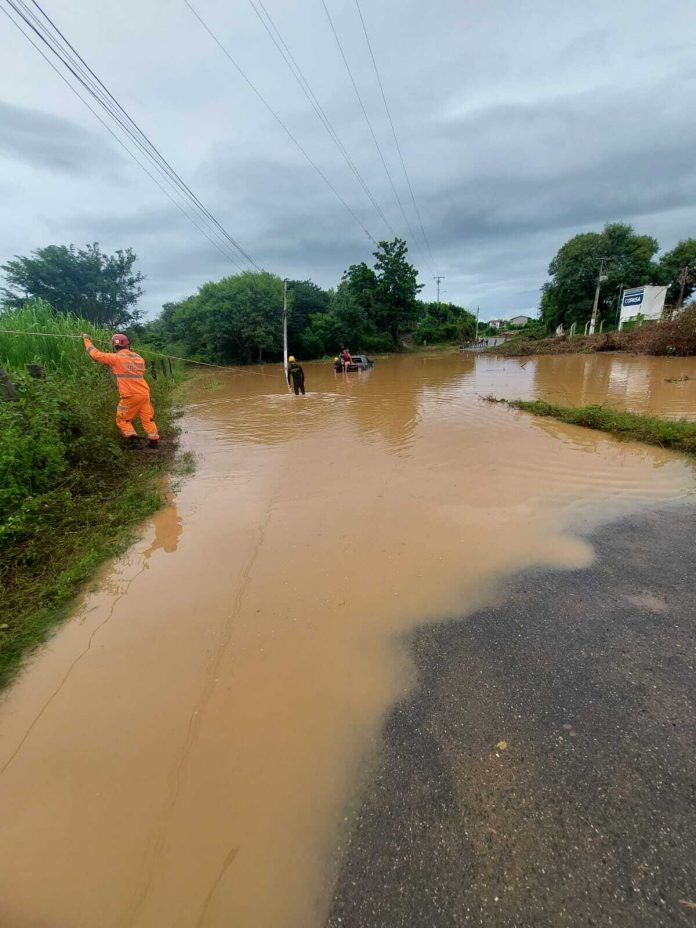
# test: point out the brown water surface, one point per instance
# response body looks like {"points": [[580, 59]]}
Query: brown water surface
{"points": [[185, 751]]}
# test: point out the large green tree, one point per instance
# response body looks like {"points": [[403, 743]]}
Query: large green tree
{"points": [[678, 269], [238, 318], [388, 292], [305, 300], [569, 296], [99, 287]]}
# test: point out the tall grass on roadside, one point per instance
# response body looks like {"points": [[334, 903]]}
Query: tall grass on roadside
{"points": [[677, 434], [56, 354], [54, 351]]}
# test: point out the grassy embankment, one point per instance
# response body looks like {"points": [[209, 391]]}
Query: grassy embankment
{"points": [[70, 495], [674, 338], [679, 435]]}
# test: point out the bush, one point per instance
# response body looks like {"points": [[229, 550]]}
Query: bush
{"points": [[377, 343]]}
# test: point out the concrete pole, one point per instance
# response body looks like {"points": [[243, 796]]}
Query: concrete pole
{"points": [[285, 330], [595, 307]]}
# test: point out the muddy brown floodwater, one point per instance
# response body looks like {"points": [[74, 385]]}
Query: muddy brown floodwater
{"points": [[185, 750]]}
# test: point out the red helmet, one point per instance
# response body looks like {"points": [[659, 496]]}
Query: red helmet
{"points": [[119, 341]]}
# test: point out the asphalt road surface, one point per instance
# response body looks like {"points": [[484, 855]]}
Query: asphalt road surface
{"points": [[543, 772]]}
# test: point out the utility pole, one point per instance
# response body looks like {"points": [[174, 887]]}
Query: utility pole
{"points": [[684, 277], [601, 277], [618, 305], [438, 279], [285, 328], [477, 315]]}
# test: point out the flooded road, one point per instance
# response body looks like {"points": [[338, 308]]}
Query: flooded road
{"points": [[186, 750]]}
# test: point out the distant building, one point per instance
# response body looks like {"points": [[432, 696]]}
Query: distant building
{"points": [[495, 323], [520, 320]]}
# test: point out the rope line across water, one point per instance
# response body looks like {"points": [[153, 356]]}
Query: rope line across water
{"points": [[220, 367]]}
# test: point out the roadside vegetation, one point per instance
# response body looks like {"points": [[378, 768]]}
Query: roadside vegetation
{"points": [[674, 337], [626, 259], [679, 435], [70, 495]]}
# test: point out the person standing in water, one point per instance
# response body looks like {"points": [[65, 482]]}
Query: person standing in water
{"points": [[295, 376]]}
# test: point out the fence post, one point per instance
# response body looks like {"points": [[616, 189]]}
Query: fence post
{"points": [[153, 369], [171, 368], [7, 388]]}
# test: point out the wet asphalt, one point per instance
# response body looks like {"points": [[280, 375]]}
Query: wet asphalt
{"points": [[586, 815]]}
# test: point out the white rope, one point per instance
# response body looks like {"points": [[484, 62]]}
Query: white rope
{"points": [[160, 354]]}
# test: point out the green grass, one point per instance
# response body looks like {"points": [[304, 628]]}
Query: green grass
{"points": [[59, 351], [70, 494], [678, 435]]}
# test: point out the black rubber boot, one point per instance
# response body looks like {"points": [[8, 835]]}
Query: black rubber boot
{"points": [[133, 443], [153, 443]]}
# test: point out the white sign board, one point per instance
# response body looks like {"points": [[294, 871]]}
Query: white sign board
{"points": [[647, 302]]}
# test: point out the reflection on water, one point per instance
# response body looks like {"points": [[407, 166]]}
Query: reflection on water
{"points": [[168, 526], [187, 753]]}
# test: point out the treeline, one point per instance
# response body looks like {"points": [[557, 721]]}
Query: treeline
{"points": [[239, 318], [626, 259]]}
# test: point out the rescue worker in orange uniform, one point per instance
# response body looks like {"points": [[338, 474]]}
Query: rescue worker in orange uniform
{"points": [[133, 389]]}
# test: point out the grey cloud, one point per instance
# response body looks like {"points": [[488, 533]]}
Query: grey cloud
{"points": [[47, 141], [521, 126]]}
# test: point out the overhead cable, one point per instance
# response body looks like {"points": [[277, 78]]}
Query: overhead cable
{"points": [[393, 128], [279, 42], [278, 119], [106, 99], [414, 237], [60, 48]]}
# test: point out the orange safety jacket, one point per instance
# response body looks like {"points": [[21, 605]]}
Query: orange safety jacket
{"points": [[128, 367]]}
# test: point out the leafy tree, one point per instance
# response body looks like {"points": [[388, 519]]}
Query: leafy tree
{"points": [[387, 294], [569, 296], [305, 298], [101, 288], [678, 269], [444, 322], [238, 318]]}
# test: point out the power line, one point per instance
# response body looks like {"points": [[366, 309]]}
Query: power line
{"points": [[54, 40], [393, 128], [182, 209], [296, 71], [370, 127], [278, 119], [141, 135], [128, 125]]}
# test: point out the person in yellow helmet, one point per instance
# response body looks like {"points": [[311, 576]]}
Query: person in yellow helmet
{"points": [[295, 376]]}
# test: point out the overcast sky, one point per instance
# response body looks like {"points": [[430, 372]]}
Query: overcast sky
{"points": [[521, 124]]}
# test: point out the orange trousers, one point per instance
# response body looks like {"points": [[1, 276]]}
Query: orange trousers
{"points": [[137, 406]]}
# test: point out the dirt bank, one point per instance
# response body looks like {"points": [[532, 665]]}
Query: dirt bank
{"points": [[677, 338]]}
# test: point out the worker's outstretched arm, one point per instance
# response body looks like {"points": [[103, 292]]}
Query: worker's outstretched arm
{"points": [[96, 355]]}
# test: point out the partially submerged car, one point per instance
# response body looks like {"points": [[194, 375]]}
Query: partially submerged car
{"points": [[358, 362]]}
